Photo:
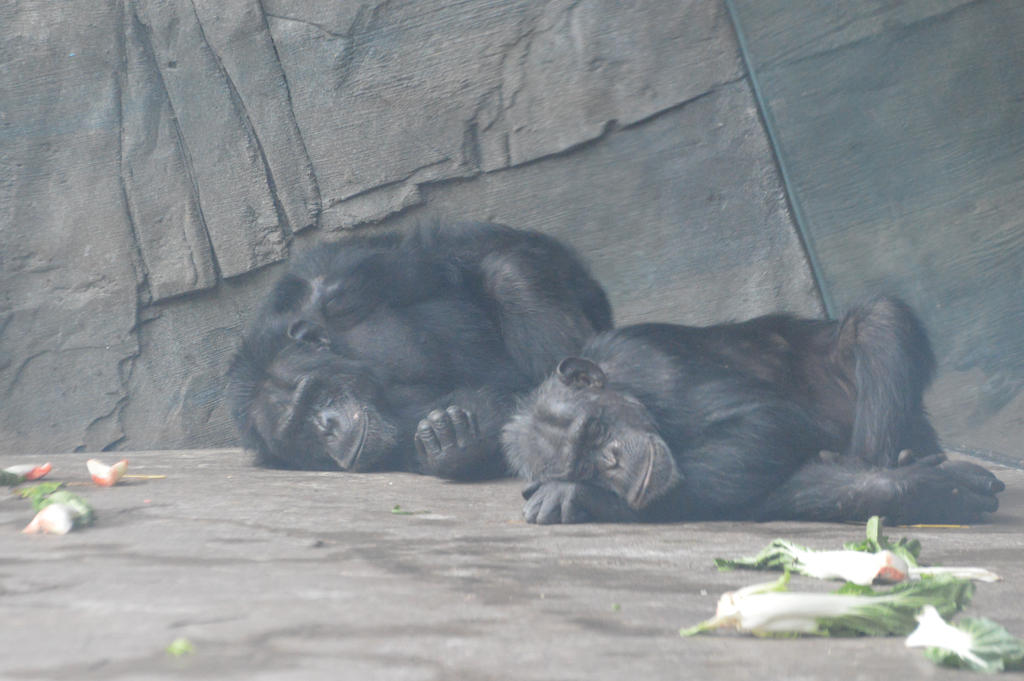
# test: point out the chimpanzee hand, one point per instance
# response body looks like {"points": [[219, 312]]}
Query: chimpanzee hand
{"points": [[448, 443], [939, 490], [555, 501]]}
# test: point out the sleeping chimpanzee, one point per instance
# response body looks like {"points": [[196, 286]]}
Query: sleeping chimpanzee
{"points": [[667, 422], [406, 352]]}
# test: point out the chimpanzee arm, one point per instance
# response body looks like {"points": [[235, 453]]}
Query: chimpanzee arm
{"points": [[556, 501], [547, 304], [931, 490]]}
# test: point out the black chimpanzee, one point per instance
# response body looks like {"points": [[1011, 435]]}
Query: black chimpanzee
{"points": [[667, 422], [407, 351]]}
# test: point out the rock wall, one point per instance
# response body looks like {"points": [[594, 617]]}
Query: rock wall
{"points": [[901, 126], [160, 159]]}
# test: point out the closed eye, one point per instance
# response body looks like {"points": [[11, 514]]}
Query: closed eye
{"points": [[326, 422], [610, 456], [594, 431]]}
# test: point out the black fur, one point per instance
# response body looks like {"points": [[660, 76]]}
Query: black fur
{"points": [[406, 352], [667, 422]]}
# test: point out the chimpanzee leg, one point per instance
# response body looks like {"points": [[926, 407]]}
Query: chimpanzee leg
{"points": [[459, 439], [930, 490], [892, 363]]}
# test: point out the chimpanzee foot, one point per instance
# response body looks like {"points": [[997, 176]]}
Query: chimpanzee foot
{"points": [[938, 490], [448, 443], [974, 477]]}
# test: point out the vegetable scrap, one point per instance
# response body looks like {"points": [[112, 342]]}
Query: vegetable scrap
{"points": [[53, 519], [908, 549], [770, 609], [38, 493], [876, 559], [978, 644], [15, 475], [105, 475], [851, 566], [398, 510], [916, 605], [975, 574], [59, 512], [180, 646]]}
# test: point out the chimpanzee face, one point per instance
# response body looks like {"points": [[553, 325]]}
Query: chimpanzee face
{"points": [[575, 428], [320, 411], [325, 289], [313, 307]]}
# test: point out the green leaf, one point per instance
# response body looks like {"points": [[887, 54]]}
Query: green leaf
{"points": [[778, 555], [894, 611], [852, 566], [398, 510], [38, 493], [994, 648], [767, 609], [851, 589], [45, 493], [83, 511], [907, 549], [180, 647]]}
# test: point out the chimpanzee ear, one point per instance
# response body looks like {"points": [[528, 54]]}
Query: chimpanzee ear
{"points": [[577, 372]]}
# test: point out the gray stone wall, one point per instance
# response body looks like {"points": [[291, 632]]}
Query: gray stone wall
{"points": [[160, 160], [901, 126]]}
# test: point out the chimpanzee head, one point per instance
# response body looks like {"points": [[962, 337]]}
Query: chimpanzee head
{"points": [[576, 427], [326, 288], [303, 407]]}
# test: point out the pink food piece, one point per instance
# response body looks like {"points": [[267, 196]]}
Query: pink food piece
{"points": [[892, 571], [105, 475], [30, 471]]}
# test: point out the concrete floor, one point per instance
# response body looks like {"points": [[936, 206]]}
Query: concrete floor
{"points": [[298, 575]]}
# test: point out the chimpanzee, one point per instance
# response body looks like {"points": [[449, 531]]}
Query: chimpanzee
{"points": [[668, 422], [407, 351]]}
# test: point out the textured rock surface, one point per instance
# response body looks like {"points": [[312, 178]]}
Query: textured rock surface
{"points": [[159, 159], [702, 172], [68, 281], [154, 151], [902, 128]]}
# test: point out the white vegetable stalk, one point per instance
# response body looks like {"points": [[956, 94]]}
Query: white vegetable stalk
{"points": [[976, 574], [859, 567], [934, 632], [852, 566], [52, 519], [972, 642], [59, 511], [875, 560], [768, 608], [761, 609]]}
